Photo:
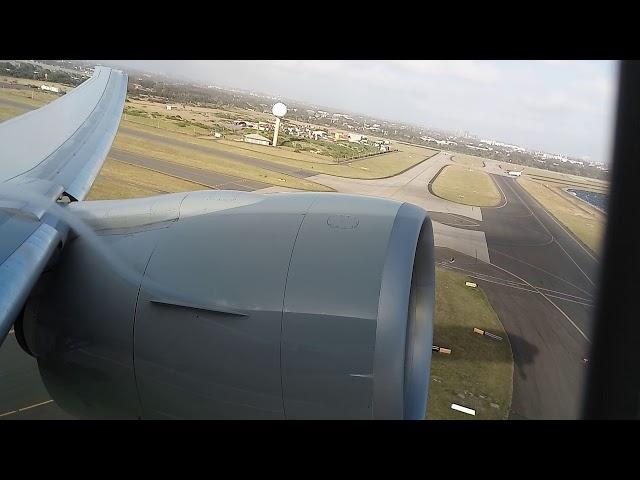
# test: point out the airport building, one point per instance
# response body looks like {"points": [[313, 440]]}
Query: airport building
{"points": [[257, 139]]}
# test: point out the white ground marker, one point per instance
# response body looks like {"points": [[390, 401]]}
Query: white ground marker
{"points": [[460, 408]]}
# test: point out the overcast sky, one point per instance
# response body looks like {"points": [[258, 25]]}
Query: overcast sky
{"points": [[557, 106]]}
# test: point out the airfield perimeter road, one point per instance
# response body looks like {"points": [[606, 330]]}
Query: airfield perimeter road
{"points": [[540, 281]]}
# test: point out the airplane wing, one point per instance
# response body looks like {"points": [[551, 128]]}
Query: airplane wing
{"points": [[49, 152]]}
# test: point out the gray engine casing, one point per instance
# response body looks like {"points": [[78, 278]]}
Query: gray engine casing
{"points": [[239, 305]]}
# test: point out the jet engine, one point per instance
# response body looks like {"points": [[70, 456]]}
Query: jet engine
{"points": [[235, 305]]}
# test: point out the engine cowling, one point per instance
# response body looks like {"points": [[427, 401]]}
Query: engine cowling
{"points": [[237, 305]]}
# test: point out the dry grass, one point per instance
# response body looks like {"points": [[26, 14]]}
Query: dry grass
{"points": [[583, 184], [8, 112], [119, 180], [584, 222], [469, 187], [214, 161], [468, 160], [377, 166], [32, 98]]}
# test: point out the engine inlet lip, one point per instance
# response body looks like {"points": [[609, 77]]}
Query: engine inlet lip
{"points": [[402, 358]]}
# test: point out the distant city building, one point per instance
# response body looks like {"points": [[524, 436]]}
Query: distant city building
{"points": [[504, 145], [257, 139], [477, 148]]}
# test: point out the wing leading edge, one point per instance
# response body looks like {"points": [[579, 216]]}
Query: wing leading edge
{"points": [[56, 149]]}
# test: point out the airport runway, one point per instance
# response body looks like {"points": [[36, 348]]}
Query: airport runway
{"points": [[541, 284]]}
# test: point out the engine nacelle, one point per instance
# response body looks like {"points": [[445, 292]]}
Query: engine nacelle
{"points": [[224, 304]]}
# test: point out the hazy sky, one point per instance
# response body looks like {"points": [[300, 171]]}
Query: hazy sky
{"points": [[556, 106]]}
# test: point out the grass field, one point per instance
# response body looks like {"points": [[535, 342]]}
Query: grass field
{"points": [[213, 160], [9, 112], [584, 222], [37, 83], [567, 182], [548, 174], [468, 160], [33, 98], [463, 185], [478, 373], [120, 180], [377, 166]]}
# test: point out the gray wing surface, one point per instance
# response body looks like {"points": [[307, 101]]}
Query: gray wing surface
{"points": [[56, 149]]}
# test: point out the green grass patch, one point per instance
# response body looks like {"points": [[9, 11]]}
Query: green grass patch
{"points": [[336, 150], [478, 373], [463, 185]]}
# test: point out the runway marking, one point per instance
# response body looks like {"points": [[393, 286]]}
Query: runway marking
{"points": [[448, 265], [34, 406], [558, 292], [542, 270], [501, 191], [550, 301], [25, 408], [531, 211], [483, 276], [463, 221], [556, 241], [519, 286], [583, 272]]}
